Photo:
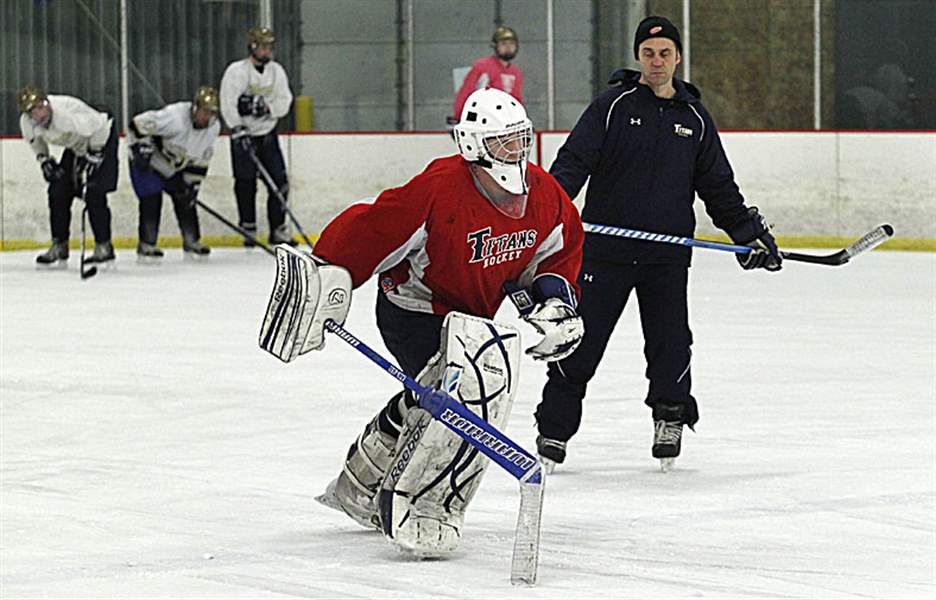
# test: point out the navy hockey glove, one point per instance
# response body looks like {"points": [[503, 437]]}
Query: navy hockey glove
{"points": [[756, 233], [51, 170], [245, 105], [141, 154], [242, 140]]}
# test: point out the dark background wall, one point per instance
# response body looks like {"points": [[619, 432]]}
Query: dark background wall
{"points": [[752, 59]]}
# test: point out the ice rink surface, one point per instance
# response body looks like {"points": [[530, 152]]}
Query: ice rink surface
{"points": [[150, 449]]}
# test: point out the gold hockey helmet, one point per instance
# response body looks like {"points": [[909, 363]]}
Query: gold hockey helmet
{"points": [[260, 35], [207, 98], [30, 97], [504, 33]]}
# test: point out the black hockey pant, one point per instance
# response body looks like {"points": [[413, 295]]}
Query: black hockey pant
{"points": [[186, 215], [662, 302], [412, 338], [63, 192], [267, 149]]}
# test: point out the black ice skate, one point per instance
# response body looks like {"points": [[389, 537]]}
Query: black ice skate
{"points": [[667, 433], [56, 257], [551, 452], [280, 235], [252, 230], [195, 250], [148, 253], [103, 254]]}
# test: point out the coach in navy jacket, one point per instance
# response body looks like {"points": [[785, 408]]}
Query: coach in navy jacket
{"points": [[648, 146], [647, 156]]}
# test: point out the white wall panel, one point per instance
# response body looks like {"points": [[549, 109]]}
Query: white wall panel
{"points": [[821, 184]]}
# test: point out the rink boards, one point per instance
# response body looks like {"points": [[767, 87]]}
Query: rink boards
{"points": [[812, 185]]}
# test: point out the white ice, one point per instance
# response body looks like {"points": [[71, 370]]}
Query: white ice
{"points": [[150, 449]]}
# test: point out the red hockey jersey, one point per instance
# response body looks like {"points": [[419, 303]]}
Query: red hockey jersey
{"points": [[489, 71], [439, 245]]}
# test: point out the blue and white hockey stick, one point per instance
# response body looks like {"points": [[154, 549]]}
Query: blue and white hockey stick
{"points": [[456, 416], [489, 441], [876, 236]]}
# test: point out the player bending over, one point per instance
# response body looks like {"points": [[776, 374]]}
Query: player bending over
{"points": [[443, 246]]}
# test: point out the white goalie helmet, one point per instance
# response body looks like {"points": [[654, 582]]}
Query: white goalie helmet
{"points": [[495, 132]]}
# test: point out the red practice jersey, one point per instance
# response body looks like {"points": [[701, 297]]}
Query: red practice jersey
{"points": [[489, 71], [439, 245]]}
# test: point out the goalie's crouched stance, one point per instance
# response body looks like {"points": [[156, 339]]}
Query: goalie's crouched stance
{"points": [[442, 247], [406, 474]]}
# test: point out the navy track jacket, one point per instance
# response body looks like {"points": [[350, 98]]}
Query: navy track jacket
{"points": [[647, 157]]}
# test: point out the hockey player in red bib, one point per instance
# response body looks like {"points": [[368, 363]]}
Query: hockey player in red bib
{"points": [[446, 246]]}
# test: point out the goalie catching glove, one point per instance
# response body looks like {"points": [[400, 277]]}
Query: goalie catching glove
{"points": [[549, 306], [561, 327], [305, 295]]}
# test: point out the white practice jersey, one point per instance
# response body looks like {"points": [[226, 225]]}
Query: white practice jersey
{"points": [[180, 145], [74, 125], [241, 77]]}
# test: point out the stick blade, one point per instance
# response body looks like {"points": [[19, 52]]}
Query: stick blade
{"points": [[870, 240], [523, 566], [89, 273]]}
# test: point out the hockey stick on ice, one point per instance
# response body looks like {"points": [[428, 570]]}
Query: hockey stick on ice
{"points": [[279, 195], [871, 239], [91, 272], [489, 441], [239, 230]]}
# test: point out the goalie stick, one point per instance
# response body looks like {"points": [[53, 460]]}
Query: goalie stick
{"points": [[876, 236], [492, 443]]}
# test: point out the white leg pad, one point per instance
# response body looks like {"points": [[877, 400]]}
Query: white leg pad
{"points": [[434, 474]]}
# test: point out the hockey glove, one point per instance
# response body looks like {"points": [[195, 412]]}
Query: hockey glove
{"points": [[242, 140], [561, 327], [141, 154], [305, 295], [245, 105], [259, 107], [191, 193], [92, 163], [756, 233], [51, 170]]}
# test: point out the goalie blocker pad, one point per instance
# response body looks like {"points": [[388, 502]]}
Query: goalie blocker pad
{"points": [[304, 296], [434, 473]]}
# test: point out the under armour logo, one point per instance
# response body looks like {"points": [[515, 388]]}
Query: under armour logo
{"points": [[587, 277], [635, 121]]}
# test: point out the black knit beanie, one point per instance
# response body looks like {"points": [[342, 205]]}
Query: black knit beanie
{"points": [[655, 27]]}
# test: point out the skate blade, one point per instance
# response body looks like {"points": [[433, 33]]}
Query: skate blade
{"points": [[422, 554], [59, 265], [329, 500], [194, 258], [548, 465], [149, 260], [667, 464], [106, 265]]}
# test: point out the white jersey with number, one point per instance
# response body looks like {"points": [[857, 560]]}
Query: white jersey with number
{"points": [[74, 125], [242, 77], [179, 143]]}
